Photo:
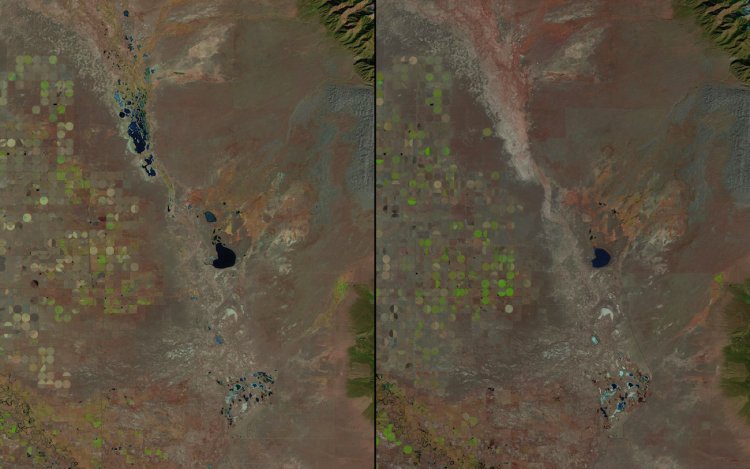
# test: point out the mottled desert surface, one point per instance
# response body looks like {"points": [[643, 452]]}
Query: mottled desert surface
{"points": [[187, 194], [514, 138]]}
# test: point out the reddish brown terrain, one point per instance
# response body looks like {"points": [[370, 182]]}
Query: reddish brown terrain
{"points": [[141, 142], [514, 138]]}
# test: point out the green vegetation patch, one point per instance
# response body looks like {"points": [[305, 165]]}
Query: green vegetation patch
{"points": [[362, 352], [352, 24], [735, 379]]}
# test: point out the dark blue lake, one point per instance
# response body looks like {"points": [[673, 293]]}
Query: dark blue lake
{"points": [[601, 258], [226, 257]]}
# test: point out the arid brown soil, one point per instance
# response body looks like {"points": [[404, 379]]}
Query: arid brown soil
{"points": [[122, 344], [613, 125]]}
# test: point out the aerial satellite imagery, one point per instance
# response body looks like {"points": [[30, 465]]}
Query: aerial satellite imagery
{"points": [[186, 234], [284, 233], [562, 218]]}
